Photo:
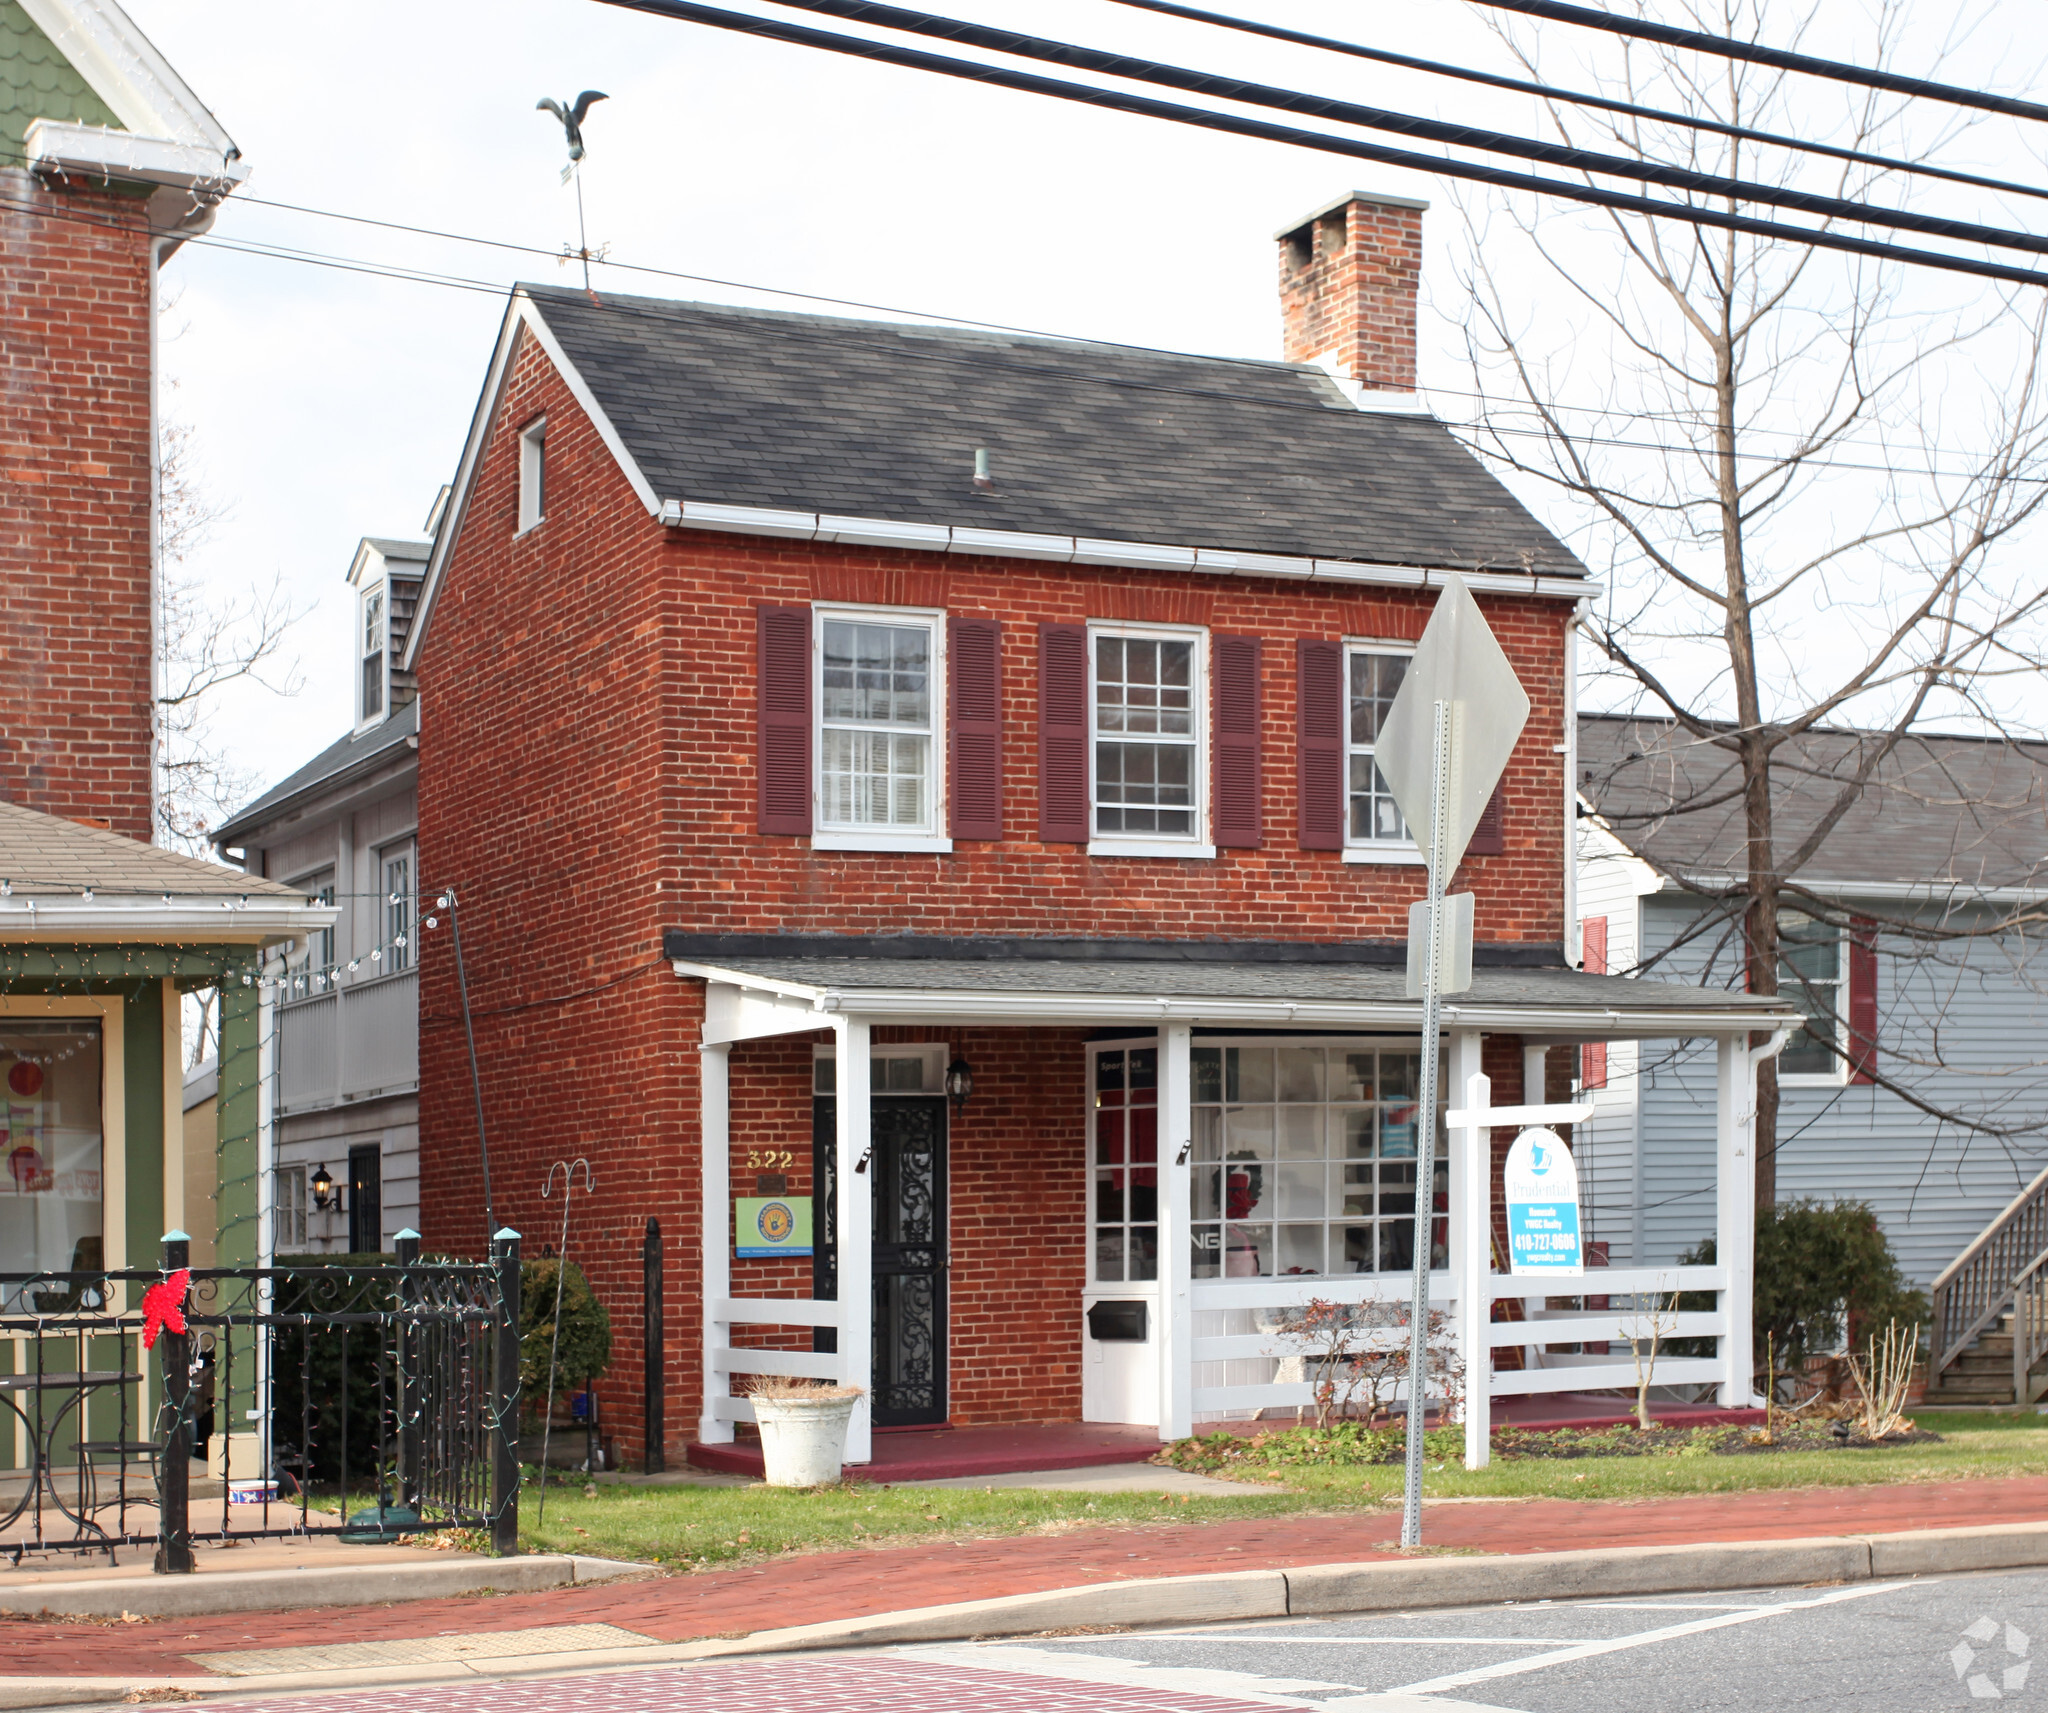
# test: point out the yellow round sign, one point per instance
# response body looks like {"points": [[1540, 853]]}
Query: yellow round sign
{"points": [[775, 1223]]}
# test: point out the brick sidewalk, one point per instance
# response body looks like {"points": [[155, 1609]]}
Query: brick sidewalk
{"points": [[820, 1587]]}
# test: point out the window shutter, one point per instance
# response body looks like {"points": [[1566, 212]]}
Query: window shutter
{"points": [[1063, 734], [974, 733], [1319, 745], [783, 702], [1593, 1055], [1862, 1000], [1234, 742], [1489, 838]]}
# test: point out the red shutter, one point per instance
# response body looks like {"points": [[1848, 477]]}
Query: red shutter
{"points": [[1238, 780], [974, 735], [1063, 734], [783, 703], [1862, 1000], [1489, 838], [1593, 1055], [1319, 745]]}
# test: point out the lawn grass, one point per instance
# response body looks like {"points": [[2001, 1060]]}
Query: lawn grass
{"points": [[690, 1527]]}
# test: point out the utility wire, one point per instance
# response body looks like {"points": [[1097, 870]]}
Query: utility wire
{"points": [[1218, 87], [1729, 47], [1575, 98], [1030, 83]]}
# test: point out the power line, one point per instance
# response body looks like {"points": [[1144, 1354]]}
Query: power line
{"points": [[1556, 154], [1728, 47], [1576, 98], [1030, 83]]}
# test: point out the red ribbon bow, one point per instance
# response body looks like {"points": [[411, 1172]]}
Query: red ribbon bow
{"points": [[163, 1306]]}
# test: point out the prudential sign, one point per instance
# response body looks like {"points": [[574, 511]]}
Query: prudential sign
{"points": [[1543, 1205]]}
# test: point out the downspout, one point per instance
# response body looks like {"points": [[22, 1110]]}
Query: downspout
{"points": [[1574, 940]]}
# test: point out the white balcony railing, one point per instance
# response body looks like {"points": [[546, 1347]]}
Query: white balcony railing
{"points": [[355, 1041]]}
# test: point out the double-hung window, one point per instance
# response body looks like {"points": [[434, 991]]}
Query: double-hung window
{"points": [[373, 654], [880, 688], [317, 973], [1373, 825], [1810, 974], [1148, 696], [396, 862]]}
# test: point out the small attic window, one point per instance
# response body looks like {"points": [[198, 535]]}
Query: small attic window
{"points": [[533, 466], [1301, 247]]}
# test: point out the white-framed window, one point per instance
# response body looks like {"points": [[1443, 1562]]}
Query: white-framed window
{"points": [[879, 691], [315, 972], [892, 1069], [1148, 703], [395, 863], [1812, 973], [533, 473], [371, 674], [1123, 1165], [289, 1210], [1303, 1161], [1374, 830]]}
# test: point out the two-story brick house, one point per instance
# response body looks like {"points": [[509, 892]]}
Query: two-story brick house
{"points": [[820, 715]]}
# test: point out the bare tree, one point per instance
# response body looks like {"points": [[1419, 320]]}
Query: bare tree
{"points": [[1803, 476]]}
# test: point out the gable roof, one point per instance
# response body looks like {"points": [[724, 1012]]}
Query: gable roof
{"points": [[46, 856], [821, 427], [350, 757], [1944, 814]]}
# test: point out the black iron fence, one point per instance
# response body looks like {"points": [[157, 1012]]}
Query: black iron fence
{"points": [[196, 1404]]}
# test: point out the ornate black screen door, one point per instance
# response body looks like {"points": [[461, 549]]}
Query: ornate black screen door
{"points": [[908, 1172]]}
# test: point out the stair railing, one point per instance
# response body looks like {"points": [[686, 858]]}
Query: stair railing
{"points": [[2029, 1332], [1977, 1286]]}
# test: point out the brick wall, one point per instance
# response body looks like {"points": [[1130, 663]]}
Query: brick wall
{"points": [[75, 498], [587, 780], [1348, 285]]}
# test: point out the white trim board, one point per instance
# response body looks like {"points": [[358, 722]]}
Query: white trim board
{"points": [[126, 72]]}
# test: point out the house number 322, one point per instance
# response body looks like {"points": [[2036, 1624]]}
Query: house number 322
{"points": [[770, 1159]]}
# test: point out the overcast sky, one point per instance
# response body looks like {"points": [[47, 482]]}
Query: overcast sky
{"points": [[328, 404]]}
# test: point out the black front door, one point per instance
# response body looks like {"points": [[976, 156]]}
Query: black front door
{"points": [[908, 1173]]}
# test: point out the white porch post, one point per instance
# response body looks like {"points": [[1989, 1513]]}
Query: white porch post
{"points": [[714, 1130], [1471, 1196], [856, 1230], [1735, 1211], [1176, 1296]]}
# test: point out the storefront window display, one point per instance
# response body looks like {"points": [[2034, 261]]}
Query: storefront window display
{"points": [[52, 1146]]}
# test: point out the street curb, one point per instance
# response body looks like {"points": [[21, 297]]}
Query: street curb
{"points": [[1322, 1590], [213, 1593]]}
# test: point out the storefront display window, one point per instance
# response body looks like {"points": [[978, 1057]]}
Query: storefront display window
{"points": [[51, 1137]]}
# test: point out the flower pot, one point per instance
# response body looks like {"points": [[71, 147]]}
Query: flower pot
{"points": [[803, 1440]]}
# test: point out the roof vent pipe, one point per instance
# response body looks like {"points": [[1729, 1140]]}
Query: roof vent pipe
{"points": [[982, 479]]}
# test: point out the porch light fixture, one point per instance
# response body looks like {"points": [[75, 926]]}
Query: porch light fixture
{"points": [[959, 1083], [323, 1189]]}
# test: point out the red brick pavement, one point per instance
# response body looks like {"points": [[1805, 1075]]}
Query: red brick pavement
{"points": [[818, 1587]]}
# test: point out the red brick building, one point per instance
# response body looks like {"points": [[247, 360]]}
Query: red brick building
{"points": [[820, 714]]}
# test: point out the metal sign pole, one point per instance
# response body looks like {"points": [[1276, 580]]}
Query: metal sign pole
{"points": [[1425, 1126]]}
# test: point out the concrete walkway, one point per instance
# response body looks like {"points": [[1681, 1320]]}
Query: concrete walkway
{"points": [[824, 1587]]}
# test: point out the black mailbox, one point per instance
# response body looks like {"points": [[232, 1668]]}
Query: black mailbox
{"points": [[1117, 1323]]}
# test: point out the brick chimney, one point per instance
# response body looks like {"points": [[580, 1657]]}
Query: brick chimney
{"points": [[1348, 276]]}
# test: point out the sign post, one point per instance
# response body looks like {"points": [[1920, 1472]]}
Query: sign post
{"points": [[1441, 750]]}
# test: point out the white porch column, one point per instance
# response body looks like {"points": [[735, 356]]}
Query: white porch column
{"points": [[1735, 1210], [714, 1133], [856, 1229], [1176, 1293], [1471, 1194]]}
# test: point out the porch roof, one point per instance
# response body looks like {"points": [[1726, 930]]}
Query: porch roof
{"points": [[769, 995]]}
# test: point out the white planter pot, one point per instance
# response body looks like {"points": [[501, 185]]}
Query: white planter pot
{"points": [[803, 1440]]}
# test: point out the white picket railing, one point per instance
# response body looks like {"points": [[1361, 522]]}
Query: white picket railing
{"points": [[723, 1359], [357, 1040]]}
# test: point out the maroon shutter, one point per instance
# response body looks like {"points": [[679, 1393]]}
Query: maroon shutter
{"points": [[1489, 838], [1319, 745], [1063, 734], [1862, 1000], [783, 702], [1235, 743], [974, 734]]}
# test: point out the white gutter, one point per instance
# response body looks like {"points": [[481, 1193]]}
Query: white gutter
{"points": [[96, 151], [1086, 550], [212, 920], [1891, 891]]}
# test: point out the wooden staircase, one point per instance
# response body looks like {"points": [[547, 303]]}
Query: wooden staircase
{"points": [[1982, 1374], [1990, 1343]]}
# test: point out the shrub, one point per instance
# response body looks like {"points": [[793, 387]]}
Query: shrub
{"points": [[585, 1348], [1817, 1266]]}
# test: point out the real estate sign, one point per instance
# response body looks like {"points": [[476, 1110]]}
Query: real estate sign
{"points": [[1542, 1187]]}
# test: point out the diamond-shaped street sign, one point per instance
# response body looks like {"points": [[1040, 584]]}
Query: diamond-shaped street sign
{"points": [[1458, 661]]}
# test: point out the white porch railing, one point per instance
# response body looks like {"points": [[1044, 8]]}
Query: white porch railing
{"points": [[723, 1360], [354, 1041]]}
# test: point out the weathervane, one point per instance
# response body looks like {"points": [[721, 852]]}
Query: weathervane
{"points": [[572, 117]]}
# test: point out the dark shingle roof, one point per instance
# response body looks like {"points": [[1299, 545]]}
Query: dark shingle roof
{"points": [[1940, 811], [356, 751], [881, 420]]}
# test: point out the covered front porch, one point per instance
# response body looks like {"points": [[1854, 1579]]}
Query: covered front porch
{"points": [[1161, 1158]]}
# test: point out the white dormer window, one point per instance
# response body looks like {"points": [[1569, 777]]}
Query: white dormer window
{"points": [[533, 470], [373, 652]]}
